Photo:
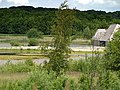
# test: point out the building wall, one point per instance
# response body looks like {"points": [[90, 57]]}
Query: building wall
{"points": [[96, 42]]}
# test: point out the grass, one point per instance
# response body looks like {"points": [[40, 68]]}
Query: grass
{"points": [[22, 38], [73, 74], [37, 51], [33, 54], [21, 50], [29, 53], [81, 42], [13, 76], [20, 57]]}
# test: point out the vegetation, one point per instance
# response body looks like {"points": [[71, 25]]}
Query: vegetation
{"points": [[113, 53], [26, 66], [13, 22], [33, 42], [33, 33], [92, 75], [62, 31], [15, 43], [98, 72]]}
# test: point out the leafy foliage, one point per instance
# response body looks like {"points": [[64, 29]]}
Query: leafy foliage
{"points": [[113, 53], [40, 79], [37, 80], [62, 31], [15, 43], [33, 42], [33, 33], [9, 67], [19, 20]]}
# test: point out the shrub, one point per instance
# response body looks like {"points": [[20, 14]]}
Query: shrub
{"points": [[112, 53], [15, 43], [33, 33], [26, 66], [81, 65], [37, 80], [10, 85], [33, 42], [41, 80]]}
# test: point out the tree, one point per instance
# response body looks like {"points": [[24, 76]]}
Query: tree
{"points": [[62, 31], [112, 54], [33, 33], [87, 33]]}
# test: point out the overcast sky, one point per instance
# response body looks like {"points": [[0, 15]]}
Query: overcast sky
{"points": [[105, 5]]}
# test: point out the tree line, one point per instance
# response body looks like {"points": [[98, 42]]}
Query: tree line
{"points": [[19, 20]]}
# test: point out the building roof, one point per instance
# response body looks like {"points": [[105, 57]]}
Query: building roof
{"points": [[106, 35], [99, 33], [109, 32]]}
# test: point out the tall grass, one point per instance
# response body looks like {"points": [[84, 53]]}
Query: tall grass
{"points": [[26, 66]]}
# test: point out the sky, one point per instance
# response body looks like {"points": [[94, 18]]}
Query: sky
{"points": [[104, 5]]}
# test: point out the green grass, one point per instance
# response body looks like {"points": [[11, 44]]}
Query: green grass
{"points": [[21, 57], [22, 38], [32, 54], [81, 42], [21, 50], [12, 34]]}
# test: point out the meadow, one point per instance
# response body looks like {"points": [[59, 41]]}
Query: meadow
{"points": [[82, 74]]}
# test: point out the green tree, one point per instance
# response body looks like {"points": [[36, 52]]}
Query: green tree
{"points": [[87, 33], [33, 33], [62, 31], [112, 55]]}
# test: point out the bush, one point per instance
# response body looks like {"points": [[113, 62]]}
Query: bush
{"points": [[33, 33], [80, 65], [112, 53], [41, 80], [33, 42], [15, 43], [37, 80], [26, 66]]}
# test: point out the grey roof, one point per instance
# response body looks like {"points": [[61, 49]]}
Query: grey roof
{"points": [[108, 33], [99, 33]]}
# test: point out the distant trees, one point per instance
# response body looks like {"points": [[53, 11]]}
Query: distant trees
{"points": [[112, 54], [19, 20]]}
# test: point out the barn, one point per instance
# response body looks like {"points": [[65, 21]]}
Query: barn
{"points": [[103, 36]]}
